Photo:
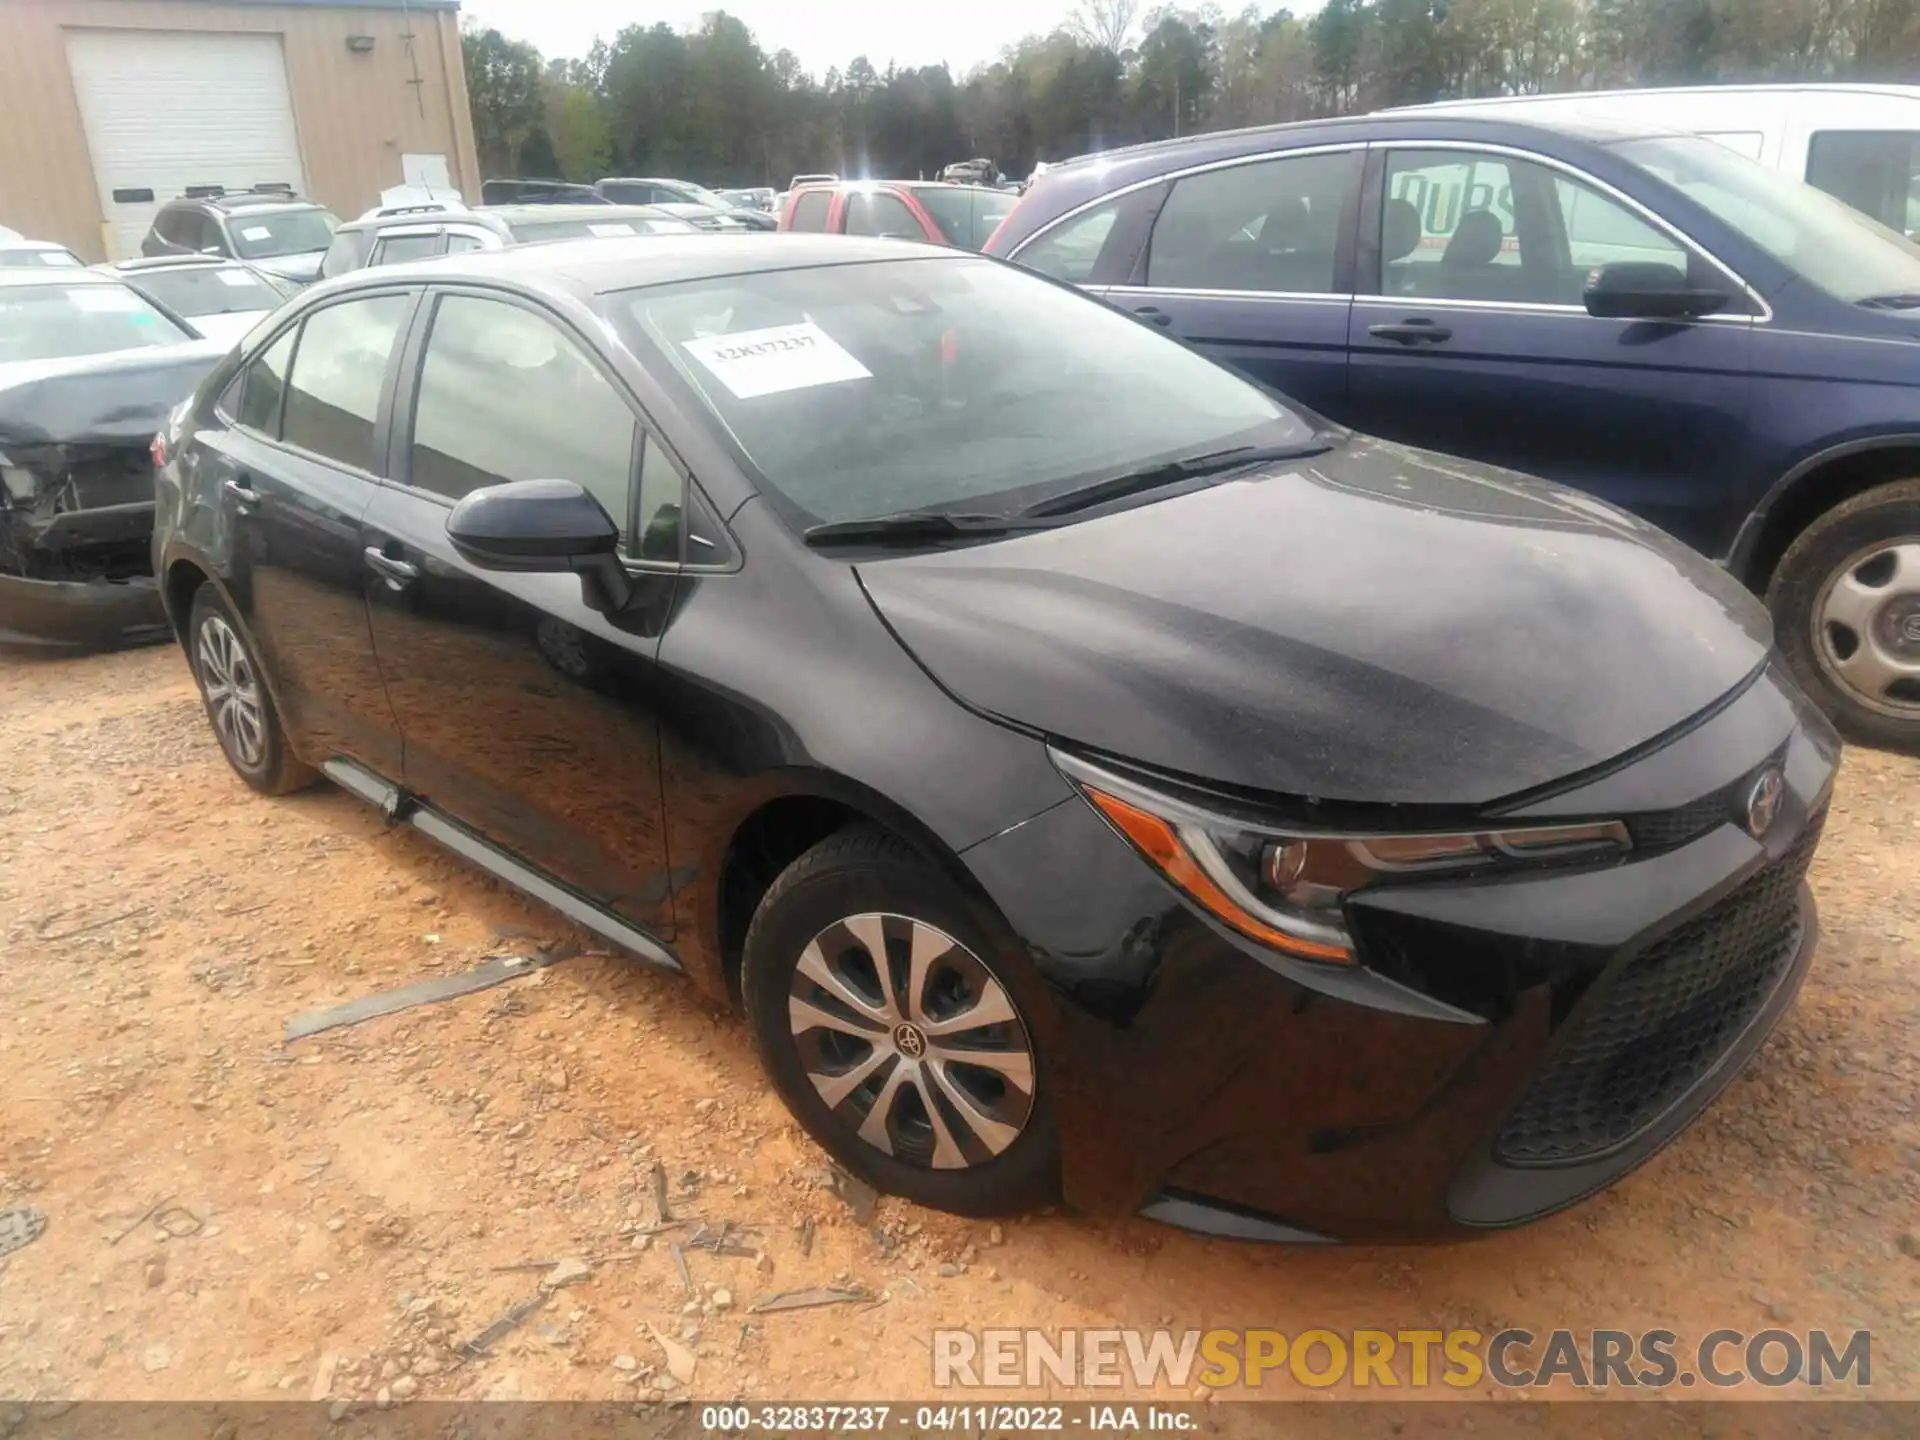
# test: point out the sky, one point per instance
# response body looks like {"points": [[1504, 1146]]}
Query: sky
{"points": [[823, 33]]}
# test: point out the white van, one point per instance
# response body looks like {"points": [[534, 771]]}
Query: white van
{"points": [[1860, 143]]}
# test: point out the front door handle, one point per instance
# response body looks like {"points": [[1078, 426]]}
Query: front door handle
{"points": [[244, 496], [397, 573], [1412, 332], [1154, 314]]}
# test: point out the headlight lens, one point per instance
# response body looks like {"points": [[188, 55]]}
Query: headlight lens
{"points": [[1286, 889]]}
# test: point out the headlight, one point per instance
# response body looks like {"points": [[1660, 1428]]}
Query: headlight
{"points": [[1285, 888]]}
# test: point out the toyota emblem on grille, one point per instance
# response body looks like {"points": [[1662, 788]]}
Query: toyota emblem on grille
{"points": [[1763, 801]]}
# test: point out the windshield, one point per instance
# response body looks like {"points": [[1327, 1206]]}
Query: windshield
{"points": [[208, 290], [966, 216], [949, 383], [58, 259], [55, 322], [1829, 243], [584, 227], [281, 232]]}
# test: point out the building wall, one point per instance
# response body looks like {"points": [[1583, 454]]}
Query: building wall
{"points": [[356, 113]]}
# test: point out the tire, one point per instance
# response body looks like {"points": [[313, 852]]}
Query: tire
{"points": [[239, 706], [1846, 609], [820, 917]]}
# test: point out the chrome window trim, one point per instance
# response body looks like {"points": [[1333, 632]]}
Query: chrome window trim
{"points": [[1530, 307], [1198, 293], [1764, 316]]}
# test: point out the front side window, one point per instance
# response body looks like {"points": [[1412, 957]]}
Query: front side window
{"points": [[940, 382], [344, 253], [1448, 228], [810, 210], [1874, 171], [1826, 241], [339, 373], [1273, 225], [53, 322], [262, 387], [880, 212], [1601, 231], [505, 394], [1071, 250], [967, 216], [663, 506]]}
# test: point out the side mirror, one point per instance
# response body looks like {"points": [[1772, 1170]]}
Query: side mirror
{"points": [[543, 526], [1646, 290]]}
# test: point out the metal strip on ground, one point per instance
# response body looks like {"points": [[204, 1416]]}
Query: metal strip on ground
{"points": [[496, 971]]}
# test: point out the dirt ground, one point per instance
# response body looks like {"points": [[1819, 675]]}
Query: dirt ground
{"points": [[352, 1199]]}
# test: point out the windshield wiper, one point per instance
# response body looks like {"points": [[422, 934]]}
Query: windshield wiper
{"points": [[911, 525], [1172, 472], [1900, 300]]}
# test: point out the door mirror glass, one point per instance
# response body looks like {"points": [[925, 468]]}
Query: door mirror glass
{"points": [[1647, 290], [533, 526]]}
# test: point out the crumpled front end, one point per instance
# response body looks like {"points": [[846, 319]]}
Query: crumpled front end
{"points": [[75, 568]]}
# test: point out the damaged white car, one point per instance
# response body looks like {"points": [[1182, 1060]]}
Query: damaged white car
{"points": [[89, 369]]}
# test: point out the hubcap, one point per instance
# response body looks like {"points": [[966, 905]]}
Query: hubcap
{"points": [[911, 1041], [233, 694], [1867, 627]]}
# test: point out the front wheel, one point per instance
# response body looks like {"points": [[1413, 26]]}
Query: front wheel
{"points": [[897, 1032], [1846, 606]]}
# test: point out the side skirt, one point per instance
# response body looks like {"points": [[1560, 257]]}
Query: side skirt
{"points": [[398, 806]]}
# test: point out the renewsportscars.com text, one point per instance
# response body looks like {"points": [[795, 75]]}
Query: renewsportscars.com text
{"points": [[1400, 1359]]}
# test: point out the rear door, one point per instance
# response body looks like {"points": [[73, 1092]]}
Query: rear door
{"points": [[528, 717], [1472, 337], [1253, 262], [297, 457]]}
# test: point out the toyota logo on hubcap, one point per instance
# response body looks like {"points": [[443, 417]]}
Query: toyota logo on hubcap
{"points": [[1763, 802], [908, 1040]]}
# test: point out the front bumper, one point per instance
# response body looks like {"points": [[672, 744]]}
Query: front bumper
{"points": [[1508, 1047], [49, 617]]}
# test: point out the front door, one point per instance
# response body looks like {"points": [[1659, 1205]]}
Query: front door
{"points": [[527, 716], [1474, 340], [295, 458], [1252, 263]]}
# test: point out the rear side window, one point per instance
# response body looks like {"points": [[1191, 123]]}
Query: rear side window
{"points": [[1273, 226], [333, 396], [262, 385], [880, 212], [1071, 251], [1874, 171], [398, 249], [810, 211], [461, 244], [507, 395]]}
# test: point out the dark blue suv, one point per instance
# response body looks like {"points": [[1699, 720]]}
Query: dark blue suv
{"points": [[1726, 352]]}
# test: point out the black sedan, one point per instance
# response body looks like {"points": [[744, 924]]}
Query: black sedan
{"points": [[1094, 777]]}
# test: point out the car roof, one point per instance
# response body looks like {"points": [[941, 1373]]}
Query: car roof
{"points": [[41, 275], [20, 242], [583, 268]]}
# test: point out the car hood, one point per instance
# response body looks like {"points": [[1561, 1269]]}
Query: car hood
{"points": [[86, 399], [303, 267], [1374, 624]]}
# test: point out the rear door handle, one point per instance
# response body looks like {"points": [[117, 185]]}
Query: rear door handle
{"points": [[1411, 332], [245, 497], [397, 573], [1155, 314]]}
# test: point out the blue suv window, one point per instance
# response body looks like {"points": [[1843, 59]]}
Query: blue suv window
{"points": [[1270, 226]]}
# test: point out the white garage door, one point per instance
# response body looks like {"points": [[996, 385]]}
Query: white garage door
{"points": [[166, 109]]}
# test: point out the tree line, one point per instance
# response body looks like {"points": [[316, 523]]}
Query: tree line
{"points": [[710, 104]]}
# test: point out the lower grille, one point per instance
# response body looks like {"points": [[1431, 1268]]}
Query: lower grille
{"points": [[1663, 1021]]}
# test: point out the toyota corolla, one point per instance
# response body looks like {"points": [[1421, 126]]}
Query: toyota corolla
{"points": [[1095, 777]]}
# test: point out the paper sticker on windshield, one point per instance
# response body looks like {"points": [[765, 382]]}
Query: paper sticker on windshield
{"points": [[256, 232], [239, 279], [608, 231], [106, 300], [767, 362], [58, 257]]}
